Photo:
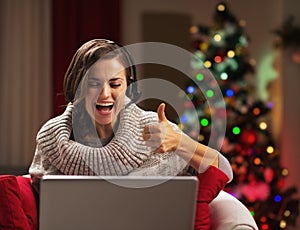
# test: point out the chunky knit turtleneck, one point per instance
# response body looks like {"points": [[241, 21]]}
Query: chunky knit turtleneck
{"points": [[125, 154]]}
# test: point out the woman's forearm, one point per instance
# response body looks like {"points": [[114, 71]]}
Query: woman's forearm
{"points": [[200, 156]]}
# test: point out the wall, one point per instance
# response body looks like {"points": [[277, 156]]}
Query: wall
{"points": [[25, 79]]}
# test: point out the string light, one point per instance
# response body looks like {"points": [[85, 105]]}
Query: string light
{"points": [[218, 59], [190, 89], [230, 53], [204, 122], [285, 172], [194, 29], [263, 219], [236, 130], [201, 137], [242, 23], [224, 76], [270, 105], [287, 213], [264, 227], [229, 92], [252, 62], [270, 149], [199, 77], [183, 119], [277, 198], [180, 126], [204, 46], [257, 161], [221, 7], [210, 93], [207, 64], [282, 224], [217, 37], [256, 111], [263, 125]]}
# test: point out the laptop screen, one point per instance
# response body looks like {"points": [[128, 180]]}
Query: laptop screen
{"points": [[114, 203]]}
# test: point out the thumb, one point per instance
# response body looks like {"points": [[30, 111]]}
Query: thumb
{"points": [[161, 112]]}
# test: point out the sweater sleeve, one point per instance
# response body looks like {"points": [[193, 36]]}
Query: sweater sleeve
{"points": [[225, 167], [211, 182]]}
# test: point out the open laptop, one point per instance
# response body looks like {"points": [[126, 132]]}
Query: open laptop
{"points": [[114, 203]]}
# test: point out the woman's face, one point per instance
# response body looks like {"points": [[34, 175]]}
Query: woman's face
{"points": [[106, 87]]}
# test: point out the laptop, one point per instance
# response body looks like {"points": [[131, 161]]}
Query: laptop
{"points": [[114, 203]]}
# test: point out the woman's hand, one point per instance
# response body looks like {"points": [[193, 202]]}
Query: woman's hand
{"points": [[161, 137]]}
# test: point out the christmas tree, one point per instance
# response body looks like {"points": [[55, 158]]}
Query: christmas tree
{"points": [[222, 48]]}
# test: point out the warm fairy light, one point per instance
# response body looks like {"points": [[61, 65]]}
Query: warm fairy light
{"points": [[207, 64], [257, 161], [224, 76], [203, 46], [180, 126], [194, 29], [287, 213], [217, 37], [230, 53], [200, 137], [282, 224], [284, 172], [256, 111], [270, 149], [252, 62], [190, 96], [263, 125], [221, 7], [242, 23]]}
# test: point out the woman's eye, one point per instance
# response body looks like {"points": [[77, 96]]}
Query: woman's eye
{"points": [[94, 84], [115, 85]]}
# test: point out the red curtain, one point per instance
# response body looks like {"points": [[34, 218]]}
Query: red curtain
{"points": [[75, 22]]}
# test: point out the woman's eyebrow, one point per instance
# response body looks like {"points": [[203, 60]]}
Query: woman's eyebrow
{"points": [[116, 78], [93, 78]]}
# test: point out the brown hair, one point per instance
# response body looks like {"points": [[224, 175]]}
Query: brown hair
{"points": [[86, 56]]}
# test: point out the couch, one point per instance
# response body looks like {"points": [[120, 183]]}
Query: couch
{"points": [[18, 208]]}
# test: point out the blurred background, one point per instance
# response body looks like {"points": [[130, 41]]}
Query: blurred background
{"points": [[39, 37]]}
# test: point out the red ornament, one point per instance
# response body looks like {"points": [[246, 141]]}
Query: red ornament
{"points": [[248, 136], [269, 175]]}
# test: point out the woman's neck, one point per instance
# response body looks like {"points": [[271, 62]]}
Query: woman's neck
{"points": [[104, 131], [107, 131]]}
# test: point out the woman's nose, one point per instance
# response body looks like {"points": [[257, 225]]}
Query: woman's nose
{"points": [[105, 91]]}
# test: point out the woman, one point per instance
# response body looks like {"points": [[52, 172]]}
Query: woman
{"points": [[103, 132]]}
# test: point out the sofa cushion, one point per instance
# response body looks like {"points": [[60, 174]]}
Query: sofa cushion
{"points": [[17, 203]]}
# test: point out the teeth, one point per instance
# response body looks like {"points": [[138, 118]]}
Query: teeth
{"points": [[104, 104]]}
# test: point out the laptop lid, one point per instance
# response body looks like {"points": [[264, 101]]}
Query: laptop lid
{"points": [[114, 203]]}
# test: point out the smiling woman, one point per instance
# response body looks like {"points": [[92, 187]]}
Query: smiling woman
{"points": [[104, 132]]}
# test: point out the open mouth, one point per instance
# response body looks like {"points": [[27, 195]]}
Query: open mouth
{"points": [[104, 107]]}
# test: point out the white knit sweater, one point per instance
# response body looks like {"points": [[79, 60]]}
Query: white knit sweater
{"points": [[125, 154]]}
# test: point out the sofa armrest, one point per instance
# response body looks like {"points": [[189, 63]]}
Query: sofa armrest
{"points": [[228, 213]]}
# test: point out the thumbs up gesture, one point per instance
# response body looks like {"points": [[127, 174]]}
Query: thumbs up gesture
{"points": [[161, 137]]}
